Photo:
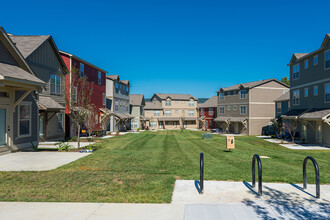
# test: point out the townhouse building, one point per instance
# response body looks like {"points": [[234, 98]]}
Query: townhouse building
{"points": [[117, 101], [310, 94], [96, 86], [42, 55], [248, 108], [19, 88], [171, 111], [207, 113], [137, 103], [282, 104]]}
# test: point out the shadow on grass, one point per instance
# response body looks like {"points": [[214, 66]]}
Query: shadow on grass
{"points": [[289, 206], [198, 186]]}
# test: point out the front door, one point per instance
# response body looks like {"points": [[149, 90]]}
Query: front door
{"points": [[319, 132], [236, 128], [4, 126]]}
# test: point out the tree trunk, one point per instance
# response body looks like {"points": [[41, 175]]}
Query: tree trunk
{"points": [[78, 137]]}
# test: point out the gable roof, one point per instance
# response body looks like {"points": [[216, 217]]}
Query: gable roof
{"points": [[250, 85], [211, 102], [136, 99], [164, 96], [27, 44], [153, 105], [47, 103], [113, 77], [284, 97], [299, 56]]}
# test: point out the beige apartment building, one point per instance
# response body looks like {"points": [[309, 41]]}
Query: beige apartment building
{"points": [[248, 108], [171, 111]]}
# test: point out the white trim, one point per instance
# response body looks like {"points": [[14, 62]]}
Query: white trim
{"points": [[298, 97], [30, 120], [311, 83], [260, 87], [240, 94], [236, 103], [240, 109], [263, 103], [260, 118]]}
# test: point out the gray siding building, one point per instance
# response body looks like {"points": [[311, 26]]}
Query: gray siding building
{"points": [[137, 104]]}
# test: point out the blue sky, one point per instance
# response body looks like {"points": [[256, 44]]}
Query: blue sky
{"points": [[177, 46]]}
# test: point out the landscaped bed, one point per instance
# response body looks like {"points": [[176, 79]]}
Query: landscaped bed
{"points": [[143, 168]]}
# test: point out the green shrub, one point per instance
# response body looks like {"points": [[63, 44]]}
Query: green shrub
{"points": [[90, 139], [64, 146], [74, 139], [34, 147]]}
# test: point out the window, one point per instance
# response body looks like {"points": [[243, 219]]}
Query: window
{"points": [[243, 109], [153, 124], [306, 64], [278, 107], [191, 103], [168, 102], [24, 119], [182, 102], [327, 59], [156, 113], [174, 124], [55, 84], [228, 93], [295, 73], [116, 105], [103, 98], [316, 90], [210, 111], [315, 59], [234, 92], [176, 111], [182, 111], [228, 108], [60, 121], [74, 94], [202, 111], [127, 90], [168, 112], [295, 97], [176, 102], [148, 111], [327, 92], [234, 108], [222, 110], [221, 96], [82, 70], [306, 92], [99, 78], [191, 113], [243, 94]]}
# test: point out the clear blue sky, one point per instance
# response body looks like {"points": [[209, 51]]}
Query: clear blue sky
{"points": [[174, 46]]}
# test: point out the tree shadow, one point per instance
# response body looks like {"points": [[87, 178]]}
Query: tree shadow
{"points": [[198, 186], [289, 206]]}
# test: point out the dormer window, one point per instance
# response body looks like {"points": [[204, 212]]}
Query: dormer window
{"points": [[168, 102], [221, 96], [295, 72], [243, 94], [191, 102]]}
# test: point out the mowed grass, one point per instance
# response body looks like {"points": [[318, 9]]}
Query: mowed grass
{"points": [[143, 168]]}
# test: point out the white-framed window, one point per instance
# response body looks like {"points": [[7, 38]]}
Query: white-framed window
{"points": [[176, 111], [182, 102], [191, 103], [327, 59], [55, 84], [60, 121], [221, 110], [168, 112], [156, 112], [183, 112], [210, 111], [306, 64], [127, 89], [234, 108], [82, 70], [316, 90], [243, 94], [296, 97], [306, 92], [191, 113], [99, 79], [153, 124], [316, 59], [221, 96], [24, 119], [243, 110], [296, 72], [327, 92], [228, 108], [168, 102], [278, 107], [148, 111], [228, 93], [103, 99], [74, 94], [202, 111]]}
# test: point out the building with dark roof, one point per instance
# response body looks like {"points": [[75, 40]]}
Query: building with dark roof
{"points": [[207, 113], [137, 103]]}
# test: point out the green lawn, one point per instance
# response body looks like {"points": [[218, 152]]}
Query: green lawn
{"points": [[143, 168]]}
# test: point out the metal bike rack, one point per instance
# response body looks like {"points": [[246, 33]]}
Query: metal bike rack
{"points": [[317, 175], [201, 170], [256, 156]]}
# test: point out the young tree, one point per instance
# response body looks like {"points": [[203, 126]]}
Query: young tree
{"points": [[90, 119], [291, 127], [277, 125], [78, 96], [285, 80]]}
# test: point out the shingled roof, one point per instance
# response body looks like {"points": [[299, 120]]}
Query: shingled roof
{"points": [[28, 44], [211, 102], [153, 105], [164, 96], [249, 85], [284, 97], [136, 99], [113, 77]]}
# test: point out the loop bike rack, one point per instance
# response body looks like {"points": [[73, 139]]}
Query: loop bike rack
{"points": [[201, 170], [317, 175], [256, 156]]}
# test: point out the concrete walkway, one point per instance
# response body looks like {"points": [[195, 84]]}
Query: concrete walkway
{"points": [[54, 145], [37, 161]]}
